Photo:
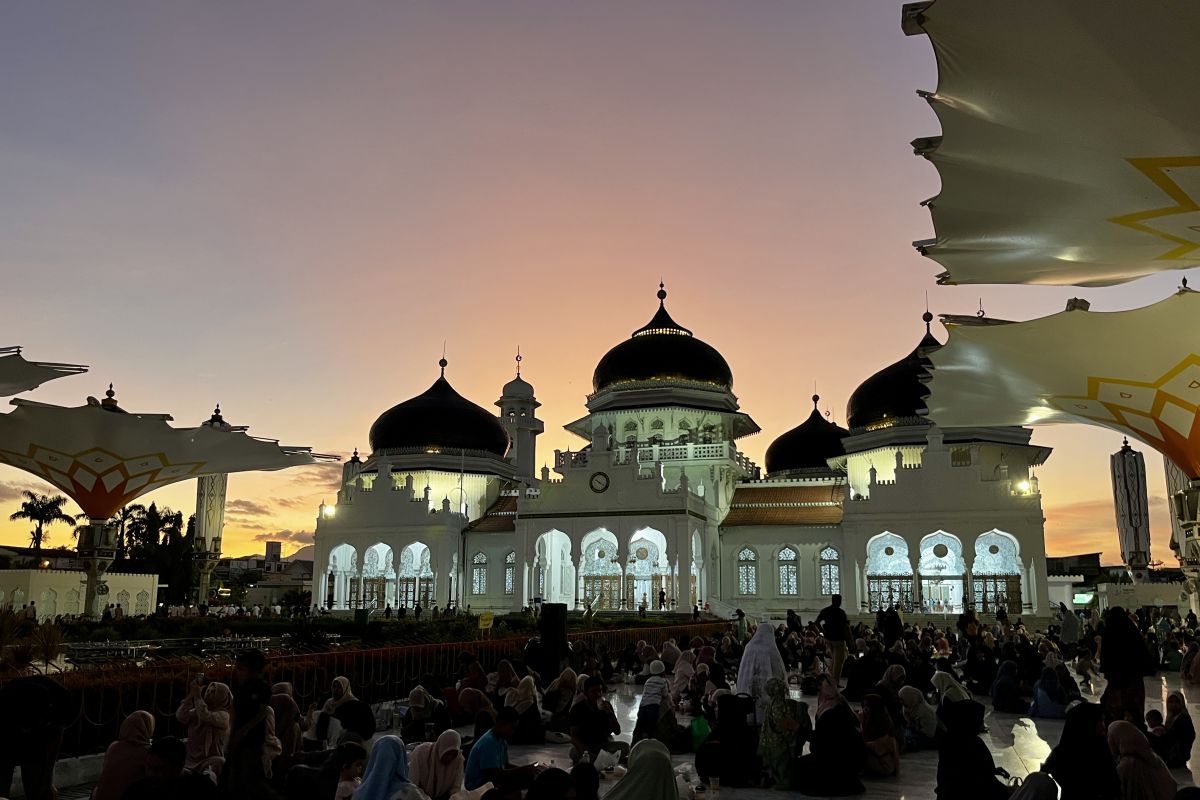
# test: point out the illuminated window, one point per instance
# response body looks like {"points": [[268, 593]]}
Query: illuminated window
{"points": [[788, 583], [479, 574], [510, 572], [831, 572], [747, 571]]}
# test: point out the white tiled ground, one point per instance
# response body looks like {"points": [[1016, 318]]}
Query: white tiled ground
{"points": [[1019, 744]]}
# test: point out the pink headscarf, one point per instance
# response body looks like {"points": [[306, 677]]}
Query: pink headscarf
{"points": [[125, 759], [1143, 774]]}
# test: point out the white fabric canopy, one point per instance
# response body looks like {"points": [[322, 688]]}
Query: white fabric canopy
{"points": [[1070, 146], [105, 459], [1137, 372], [18, 375]]}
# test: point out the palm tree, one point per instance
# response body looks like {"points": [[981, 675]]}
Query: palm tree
{"points": [[42, 510]]}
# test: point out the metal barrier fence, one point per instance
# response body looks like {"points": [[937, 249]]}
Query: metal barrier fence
{"points": [[107, 693]]}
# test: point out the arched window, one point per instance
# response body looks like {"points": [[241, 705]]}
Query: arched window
{"points": [[510, 572], [831, 572], [656, 425], [788, 583], [747, 571], [479, 574]]}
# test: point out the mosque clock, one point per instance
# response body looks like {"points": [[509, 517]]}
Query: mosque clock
{"points": [[598, 482]]}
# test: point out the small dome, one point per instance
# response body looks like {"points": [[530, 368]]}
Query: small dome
{"points": [[896, 391], [807, 446], [439, 419], [518, 388], [662, 350]]}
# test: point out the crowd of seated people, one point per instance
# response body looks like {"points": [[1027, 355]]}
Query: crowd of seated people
{"points": [[760, 710]]}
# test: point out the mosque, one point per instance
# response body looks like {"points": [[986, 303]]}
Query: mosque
{"points": [[449, 507]]}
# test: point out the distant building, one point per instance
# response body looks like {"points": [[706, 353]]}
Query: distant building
{"points": [[54, 591], [28, 558]]}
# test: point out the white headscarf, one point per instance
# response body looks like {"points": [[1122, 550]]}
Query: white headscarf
{"points": [[427, 770], [760, 663]]}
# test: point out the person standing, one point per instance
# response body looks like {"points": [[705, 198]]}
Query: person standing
{"points": [[835, 625]]}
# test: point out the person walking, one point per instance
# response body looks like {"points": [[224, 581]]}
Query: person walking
{"points": [[835, 626]]}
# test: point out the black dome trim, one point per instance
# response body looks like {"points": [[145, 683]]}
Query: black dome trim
{"points": [[439, 419]]}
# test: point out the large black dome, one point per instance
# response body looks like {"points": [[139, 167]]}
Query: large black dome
{"points": [[662, 350], [439, 419], [807, 446], [896, 391]]}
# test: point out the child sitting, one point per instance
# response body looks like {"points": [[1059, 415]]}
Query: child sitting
{"points": [[351, 758], [1154, 722]]}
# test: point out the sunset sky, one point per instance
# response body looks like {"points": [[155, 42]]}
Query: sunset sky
{"points": [[288, 207]]}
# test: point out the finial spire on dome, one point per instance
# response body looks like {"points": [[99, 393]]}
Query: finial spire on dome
{"points": [[443, 363], [662, 322], [816, 398], [518, 361]]}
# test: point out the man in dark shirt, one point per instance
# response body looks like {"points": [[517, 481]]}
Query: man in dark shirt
{"points": [[593, 723], [836, 627]]}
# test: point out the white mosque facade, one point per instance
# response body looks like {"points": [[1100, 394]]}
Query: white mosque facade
{"points": [[447, 508]]}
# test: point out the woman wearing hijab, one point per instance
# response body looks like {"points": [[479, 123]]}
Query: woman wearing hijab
{"points": [[949, 690], [651, 775], [207, 714], [1143, 774], [558, 699], [1123, 661], [888, 691], [471, 702], [684, 670], [920, 720], [427, 716], [475, 678], [523, 698], [1006, 691], [965, 765], [287, 720], [731, 751], [760, 663], [1174, 746], [326, 728], [879, 736], [837, 753], [502, 681], [437, 767], [784, 732], [386, 777], [1081, 762], [125, 759], [1049, 700]]}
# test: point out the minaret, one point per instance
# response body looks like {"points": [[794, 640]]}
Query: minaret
{"points": [[1133, 517], [210, 515], [518, 414]]}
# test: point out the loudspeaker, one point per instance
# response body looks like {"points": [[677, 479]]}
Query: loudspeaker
{"points": [[552, 626]]}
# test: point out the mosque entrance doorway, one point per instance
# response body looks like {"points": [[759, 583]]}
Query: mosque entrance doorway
{"points": [[995, 591], [600, 569]]}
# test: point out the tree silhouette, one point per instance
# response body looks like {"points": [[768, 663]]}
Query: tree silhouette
{"points": [[42, 510]]}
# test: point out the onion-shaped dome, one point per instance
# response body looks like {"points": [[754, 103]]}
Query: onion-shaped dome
{"points": [[662, 350], [439, 419], [896, 391], [808, 446]]}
